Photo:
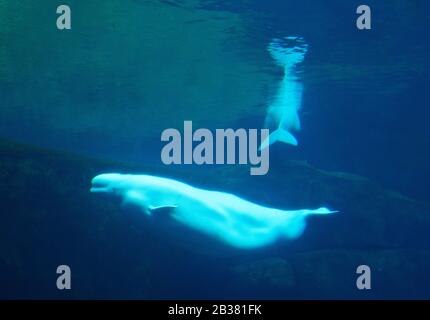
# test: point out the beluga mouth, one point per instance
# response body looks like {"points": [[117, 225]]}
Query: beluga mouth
{"points": [[98, 187]]}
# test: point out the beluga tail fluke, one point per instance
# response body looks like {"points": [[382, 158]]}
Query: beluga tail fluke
{"points": [[282, 114]]}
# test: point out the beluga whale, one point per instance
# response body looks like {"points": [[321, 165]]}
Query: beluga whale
{"points": [[221, 216], [282, 113]]}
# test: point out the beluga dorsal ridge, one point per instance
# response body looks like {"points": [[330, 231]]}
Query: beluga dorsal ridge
{"points": [[222, 216], [282, 113]]}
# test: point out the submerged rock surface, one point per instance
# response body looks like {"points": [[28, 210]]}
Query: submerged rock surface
{"points": [[50, 218]]}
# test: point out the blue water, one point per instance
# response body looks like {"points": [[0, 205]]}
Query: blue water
{"points": [[130, 69]]}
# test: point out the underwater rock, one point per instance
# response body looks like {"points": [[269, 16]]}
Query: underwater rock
{"points": [[49, 218], [370, 216], [331, 274], [274, 272]]}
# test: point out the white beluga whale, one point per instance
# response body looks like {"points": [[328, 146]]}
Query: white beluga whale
{"points": [[218, 215], [282, 113]]}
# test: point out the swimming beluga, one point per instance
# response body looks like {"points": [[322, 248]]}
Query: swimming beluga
{"points": [[218, 215], [282, 114]]}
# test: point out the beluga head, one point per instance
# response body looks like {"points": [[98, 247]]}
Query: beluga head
{"points": [[108, 183], [119, 184], [145, 191]]}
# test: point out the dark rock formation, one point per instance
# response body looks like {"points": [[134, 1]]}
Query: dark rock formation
{"points": [[50, 218]]}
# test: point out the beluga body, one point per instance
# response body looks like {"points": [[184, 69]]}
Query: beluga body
{"points": [[220, 216]]}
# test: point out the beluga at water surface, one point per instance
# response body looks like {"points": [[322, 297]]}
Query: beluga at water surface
{"points": [[282, 113]]}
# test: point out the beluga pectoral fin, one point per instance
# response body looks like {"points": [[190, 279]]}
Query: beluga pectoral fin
{"points": [[166, 207], [159, 210]]}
